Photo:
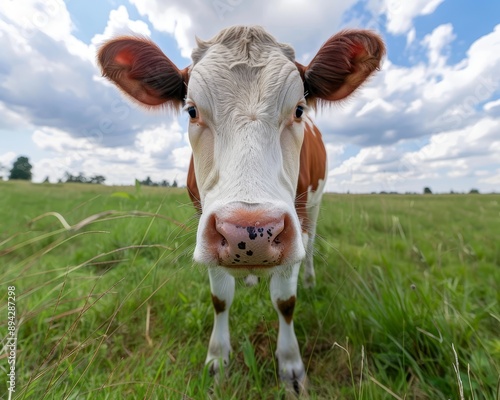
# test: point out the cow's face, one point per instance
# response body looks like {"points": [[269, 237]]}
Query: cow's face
{"points": [[246, 106]]}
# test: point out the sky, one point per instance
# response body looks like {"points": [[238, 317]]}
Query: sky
{"points": [[429, 118]]}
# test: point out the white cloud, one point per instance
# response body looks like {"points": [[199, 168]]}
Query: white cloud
{"points": [[153, 154], [400, 14], [469, 82], [422, 99], [493, 180], [49, 17], [470, 140], [53, 139], [160, 140], [448, 155], [334, 152], [491, 105], [376, 107], [119, 23], [6, 161], [11, 120], [170, 19], [181, 157], [410, 37], [436, 42], [185, 20]]}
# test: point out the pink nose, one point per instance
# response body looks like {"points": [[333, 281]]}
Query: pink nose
{"points": [[251, 239]]}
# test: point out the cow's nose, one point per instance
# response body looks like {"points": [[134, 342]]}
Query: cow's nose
{"points": [[256, 239]]}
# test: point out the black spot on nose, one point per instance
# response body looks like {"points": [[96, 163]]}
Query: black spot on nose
{"points": [[251, 232], [242, 245], [249, 253]]}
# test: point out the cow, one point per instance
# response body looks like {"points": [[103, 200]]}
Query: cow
{"points": [[258, 165]]}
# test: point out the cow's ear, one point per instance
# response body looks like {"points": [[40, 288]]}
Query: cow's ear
{"points": [[342, 64], [140, 69]]}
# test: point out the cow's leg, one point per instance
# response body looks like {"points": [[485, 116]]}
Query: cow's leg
{"points": [[283, 295], [308, 239], [222, 287]]}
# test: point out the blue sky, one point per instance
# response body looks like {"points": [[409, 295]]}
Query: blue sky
{"points": [[430, 117]]}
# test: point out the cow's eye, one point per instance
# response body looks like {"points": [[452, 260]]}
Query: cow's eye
{"points": [[192, 112], [299, 111]]}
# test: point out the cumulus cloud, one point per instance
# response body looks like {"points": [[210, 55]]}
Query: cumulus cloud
{"points": [[185, 20], [436, 42], [149, 155], [6, 160], [398, 97], [159, 141], [119, 23], [400, 14], [55, 80], [452, 154], [475, 140], [442, 103]]}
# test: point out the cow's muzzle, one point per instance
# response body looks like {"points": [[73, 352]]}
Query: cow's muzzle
{"points": [[249, 236]]}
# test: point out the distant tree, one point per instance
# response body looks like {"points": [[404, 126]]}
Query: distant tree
{"points": [[427, 190], [97, 179], [81, 178], [70, 178], [164, 183], [46, 180], [474, 191], [21, 169]]}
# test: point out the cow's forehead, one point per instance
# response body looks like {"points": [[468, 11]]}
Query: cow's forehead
{"points": [[242, 44], [250, 73], [262, 93]]}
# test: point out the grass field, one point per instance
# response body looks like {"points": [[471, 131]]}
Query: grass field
{"points": [[407, 302]]}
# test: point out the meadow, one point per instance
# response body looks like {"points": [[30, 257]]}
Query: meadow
{"points": [[109, 304]]}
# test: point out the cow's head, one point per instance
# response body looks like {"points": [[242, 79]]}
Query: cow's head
{"points": [[247, 99]]}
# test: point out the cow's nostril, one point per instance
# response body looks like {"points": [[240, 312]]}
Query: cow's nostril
{"points": [[214, 236], [284, 234]]}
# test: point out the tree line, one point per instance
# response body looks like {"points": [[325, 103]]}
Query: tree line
{"points": [[22, 170]]}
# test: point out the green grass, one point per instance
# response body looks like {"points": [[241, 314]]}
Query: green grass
{"points": [[115, 309]]}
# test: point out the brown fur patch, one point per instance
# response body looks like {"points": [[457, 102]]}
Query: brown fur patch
{"points": [[219, 305], [312, 170], [286, 308]]}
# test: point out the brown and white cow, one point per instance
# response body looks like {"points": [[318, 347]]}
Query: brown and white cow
{"points": [[259, 163]]}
